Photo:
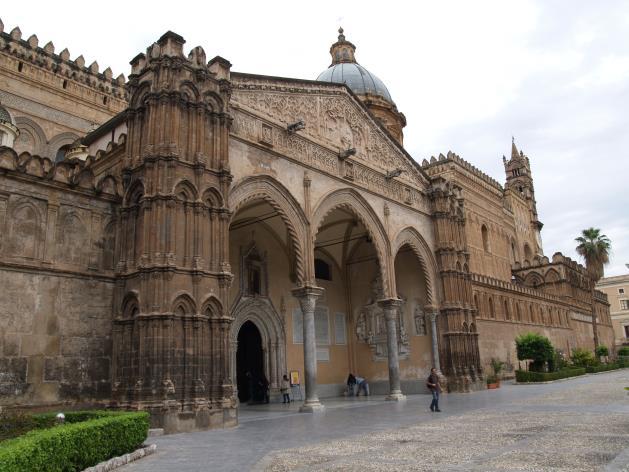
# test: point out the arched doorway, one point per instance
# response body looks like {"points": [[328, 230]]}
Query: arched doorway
{"points": [[250, 364]]}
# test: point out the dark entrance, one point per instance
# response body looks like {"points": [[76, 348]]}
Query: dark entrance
{"points": [[252, 384]]}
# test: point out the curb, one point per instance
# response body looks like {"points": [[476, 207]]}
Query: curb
{"points": [[119, 461]]}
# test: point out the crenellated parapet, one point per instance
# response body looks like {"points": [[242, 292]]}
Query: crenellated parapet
{"points": [[440, 165], [26, 57], [77, 175]]}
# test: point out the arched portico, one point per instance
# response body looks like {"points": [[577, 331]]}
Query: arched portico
{"points": [[269, 190], [350, 200]]}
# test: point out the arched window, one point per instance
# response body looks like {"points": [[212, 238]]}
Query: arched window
{"points": [[492, 311], [531, 315], [507, 314], [485, 235], [61, 153], [322, 270], [477, 304], [518, 311]]}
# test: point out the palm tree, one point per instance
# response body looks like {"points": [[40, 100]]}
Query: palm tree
{"points": [[594, 247]]}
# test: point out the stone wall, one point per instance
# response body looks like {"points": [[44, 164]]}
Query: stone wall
{"points": [[57, 244]]}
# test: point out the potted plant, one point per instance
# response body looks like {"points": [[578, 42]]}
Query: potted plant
{"points": [[496, 366], [492, 382]]}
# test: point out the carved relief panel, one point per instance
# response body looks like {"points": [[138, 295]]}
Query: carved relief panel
{"points": [[371, 325]]}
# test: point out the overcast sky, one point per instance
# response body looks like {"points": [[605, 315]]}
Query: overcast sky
{"points": [[468, 75]]}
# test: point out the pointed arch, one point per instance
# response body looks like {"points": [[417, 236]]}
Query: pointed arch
{"points": [[135, 193], [183, 304], [212, 197], [351, 200], [261, 312], [212, 307], [185, 191], [266, 188], [130, 305], [409, 236]]}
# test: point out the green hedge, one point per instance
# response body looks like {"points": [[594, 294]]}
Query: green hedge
{"points": [[77, 444], [525, 376], [618, 364]]}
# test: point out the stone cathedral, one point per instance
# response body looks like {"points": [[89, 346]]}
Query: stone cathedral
{"points": [[167, 237]]}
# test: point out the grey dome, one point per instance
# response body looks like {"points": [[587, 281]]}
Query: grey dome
{"points": [[4, 115], [357, 78]]}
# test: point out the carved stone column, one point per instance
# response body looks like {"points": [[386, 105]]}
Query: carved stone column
{"points": [[432, 313], [390, 306], [307, 297]]}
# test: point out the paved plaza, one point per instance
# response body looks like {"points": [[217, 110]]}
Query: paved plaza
{"points": [[580, 424]]}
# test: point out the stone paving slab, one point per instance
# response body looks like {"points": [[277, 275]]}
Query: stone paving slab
{"points": [[582, 425]]}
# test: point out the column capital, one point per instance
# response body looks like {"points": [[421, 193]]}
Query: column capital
{"points": [[432, 312], [308, 292], [389, 305]]}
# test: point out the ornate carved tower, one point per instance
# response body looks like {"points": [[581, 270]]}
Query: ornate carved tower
{"points": [[520, 183], [460, 358], [171, 352]]}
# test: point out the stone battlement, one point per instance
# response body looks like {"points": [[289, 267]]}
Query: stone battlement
{"points": [[73, 76], [514, 288], [74, 174], [558, 258], [452, 157]]}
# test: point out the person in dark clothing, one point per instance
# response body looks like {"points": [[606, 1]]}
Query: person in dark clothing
{"points": [[351, 383], [264, 388], [435, 388]]}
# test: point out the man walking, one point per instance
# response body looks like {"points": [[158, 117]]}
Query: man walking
{"points": [[435, 388]]}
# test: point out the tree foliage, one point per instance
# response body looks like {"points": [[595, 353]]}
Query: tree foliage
{"points": [[594, 247], [536, 347]]}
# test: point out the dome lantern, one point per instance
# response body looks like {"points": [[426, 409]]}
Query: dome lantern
{"points": [[369, 88]]}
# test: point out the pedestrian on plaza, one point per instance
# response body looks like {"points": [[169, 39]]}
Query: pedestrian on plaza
{"points": [[435, 388], [351, 384], [264, 388], [285, 388], [361, 384]]}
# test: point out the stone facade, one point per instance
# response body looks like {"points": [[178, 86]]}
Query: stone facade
{"points": [[220, 227], [617, 291]]}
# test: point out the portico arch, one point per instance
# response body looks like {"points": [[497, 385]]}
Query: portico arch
{"points": [[261, 312], [410, 237], [350, 200], [268, 189]]}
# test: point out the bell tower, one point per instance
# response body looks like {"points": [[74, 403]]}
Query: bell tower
{"points": [[171, 352], [521, 193]]}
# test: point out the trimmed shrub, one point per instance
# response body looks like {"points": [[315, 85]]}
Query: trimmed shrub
{"points": [[536, 347], [591, 369], [75, 445], [527, 376], [582, 358], [601, 351], [624, 351]]}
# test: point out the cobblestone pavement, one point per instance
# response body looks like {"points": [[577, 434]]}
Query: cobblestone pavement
{"points": [[580, 424]]}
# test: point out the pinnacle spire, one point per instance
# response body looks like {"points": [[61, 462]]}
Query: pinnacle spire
{"points": [[514, 150]]}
